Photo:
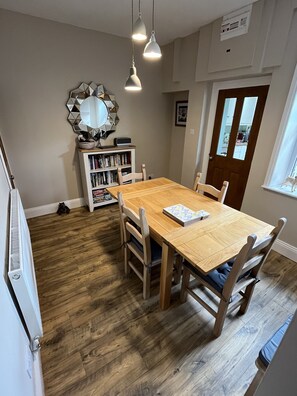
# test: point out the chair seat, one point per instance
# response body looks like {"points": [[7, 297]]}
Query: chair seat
{"points": [[156, 249], [267, 352], [217, 277]]}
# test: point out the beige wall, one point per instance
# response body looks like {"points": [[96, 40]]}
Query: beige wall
{"points": [[257, 201], [41, 61], [177, 141], [265, 205]]}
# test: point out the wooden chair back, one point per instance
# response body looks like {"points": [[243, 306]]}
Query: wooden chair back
{"points": [[240, 281], [250, 260], [209, 189], [122, 179], [137, 226], [137, 241]]}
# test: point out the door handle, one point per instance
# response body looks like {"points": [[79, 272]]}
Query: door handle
{"points": [[210, 157]]}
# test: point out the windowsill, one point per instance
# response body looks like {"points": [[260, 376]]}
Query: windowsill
{"points": [[281, 191]]}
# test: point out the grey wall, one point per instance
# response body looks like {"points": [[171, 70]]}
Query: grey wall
{"points": [[265, 205], [257, 201], [41, 61], [177, 141]]}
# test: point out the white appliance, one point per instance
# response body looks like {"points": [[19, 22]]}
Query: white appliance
{"points": [[20, 321]]}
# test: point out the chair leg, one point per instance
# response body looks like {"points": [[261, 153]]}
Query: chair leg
{"points": [[185, 284], [255, 383], [127, 256], [121, 234], [146, 282], [178, 269], [220, 318], [247, 298]]}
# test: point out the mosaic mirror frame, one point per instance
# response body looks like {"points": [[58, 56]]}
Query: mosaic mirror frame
{"points": [[76, 98]]}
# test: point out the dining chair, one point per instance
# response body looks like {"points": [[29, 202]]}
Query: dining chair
{"points": [[209, 189], [266, 355], [131, 176], [137, 242], [233, 283]]}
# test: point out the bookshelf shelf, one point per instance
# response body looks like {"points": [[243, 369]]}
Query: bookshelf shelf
{"points": [[99, 171]]}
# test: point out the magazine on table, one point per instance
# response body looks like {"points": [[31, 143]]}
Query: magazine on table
{"points": [[184, 215]]}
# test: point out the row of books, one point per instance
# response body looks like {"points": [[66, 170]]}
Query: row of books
{"points": [[105, 178], [101, 196], [100, 161]]}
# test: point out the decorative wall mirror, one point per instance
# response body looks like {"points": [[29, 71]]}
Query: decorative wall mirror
{"points": [[92, 111]]}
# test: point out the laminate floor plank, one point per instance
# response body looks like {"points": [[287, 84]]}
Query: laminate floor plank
{"points": [[102, 338]]}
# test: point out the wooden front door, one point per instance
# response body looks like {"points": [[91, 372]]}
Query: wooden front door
{"points": [[237, 122]]}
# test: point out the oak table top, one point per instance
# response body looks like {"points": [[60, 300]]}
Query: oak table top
{"points": [[206, 244]]}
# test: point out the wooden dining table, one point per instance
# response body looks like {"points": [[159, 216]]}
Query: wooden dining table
{"points": [[206, 244]]}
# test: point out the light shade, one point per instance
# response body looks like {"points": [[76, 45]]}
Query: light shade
{"points": [[133, 83], [152, 49], [139, 30]]}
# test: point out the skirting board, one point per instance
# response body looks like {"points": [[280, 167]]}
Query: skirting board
{"points": [[280, 247], [52, 208], [286, 250]]}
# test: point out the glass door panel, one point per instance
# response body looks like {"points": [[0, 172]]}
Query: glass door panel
{"points": [[245, 123], [227, 120]]}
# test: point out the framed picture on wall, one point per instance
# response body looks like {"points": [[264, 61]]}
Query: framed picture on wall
{"points": [[181, 112]]}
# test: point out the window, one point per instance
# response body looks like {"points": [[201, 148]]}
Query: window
{"points": [[245, 124], [227, 121], [282, 172]]}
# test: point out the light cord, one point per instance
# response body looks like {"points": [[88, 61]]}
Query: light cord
{"points": [[153, 17]]}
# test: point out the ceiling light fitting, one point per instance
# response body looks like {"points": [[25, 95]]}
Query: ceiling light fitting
{"points": [[133, 83], [152, 49], [139, 30]]}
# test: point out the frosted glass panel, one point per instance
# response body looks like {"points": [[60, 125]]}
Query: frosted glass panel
{"points": [[227, 120], [243, 134]]}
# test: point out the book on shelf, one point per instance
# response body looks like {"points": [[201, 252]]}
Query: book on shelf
{"points": [[101, 195], [184, 215]]}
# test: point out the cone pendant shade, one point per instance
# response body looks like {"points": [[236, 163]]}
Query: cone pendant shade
{"points": [[133, 83], [139, 30], [152, 49]]}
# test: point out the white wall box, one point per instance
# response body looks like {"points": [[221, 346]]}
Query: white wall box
{"points": [[99, 171], [261, 47]]}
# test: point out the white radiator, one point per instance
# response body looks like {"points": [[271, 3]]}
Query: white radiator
{"points": [[21, 269]]}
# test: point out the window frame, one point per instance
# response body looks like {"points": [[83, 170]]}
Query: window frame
{"points": [[284, 153]]}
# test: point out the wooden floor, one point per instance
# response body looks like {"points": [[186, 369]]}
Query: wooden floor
{"points": [[102, 338]]}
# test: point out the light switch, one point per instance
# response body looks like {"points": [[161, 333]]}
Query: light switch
{"points": [[192, 131]]}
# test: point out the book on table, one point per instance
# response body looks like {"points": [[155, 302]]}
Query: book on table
{"points": [[184, 215]]}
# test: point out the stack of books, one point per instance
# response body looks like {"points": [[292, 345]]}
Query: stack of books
{"points": [[101, 196]]}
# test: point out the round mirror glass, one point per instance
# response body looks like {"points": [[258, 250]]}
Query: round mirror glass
{"points": [[93, 112]]}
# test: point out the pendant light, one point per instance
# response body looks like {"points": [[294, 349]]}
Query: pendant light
{"points": [[133, 83], [152, 49], [139, 30]]}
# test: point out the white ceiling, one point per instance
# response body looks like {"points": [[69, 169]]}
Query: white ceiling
{"points": [[173, 18]]}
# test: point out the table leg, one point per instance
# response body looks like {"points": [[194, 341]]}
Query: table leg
{"points": [[166, 275]]}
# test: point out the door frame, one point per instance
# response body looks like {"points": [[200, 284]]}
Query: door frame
{"points": [[217, 86]]}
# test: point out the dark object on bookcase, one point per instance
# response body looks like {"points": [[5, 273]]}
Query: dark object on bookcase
{"points": [[122, 141], [62, 209]]}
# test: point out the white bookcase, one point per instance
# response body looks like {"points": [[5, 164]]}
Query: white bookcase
{"points": [[99, 171]]}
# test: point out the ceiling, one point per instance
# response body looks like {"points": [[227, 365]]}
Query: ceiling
{"points": [[173, 18]]}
